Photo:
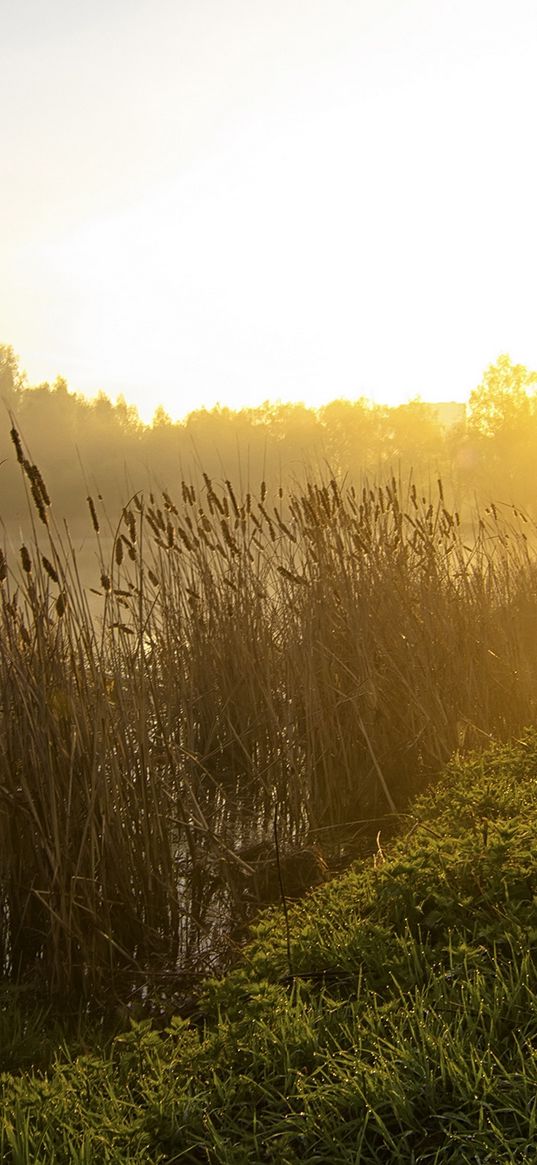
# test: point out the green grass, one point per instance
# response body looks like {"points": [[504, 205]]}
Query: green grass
{"points": [[404, 1031]]}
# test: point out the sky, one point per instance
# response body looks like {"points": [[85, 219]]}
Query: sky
{"points": [[231, 201]]}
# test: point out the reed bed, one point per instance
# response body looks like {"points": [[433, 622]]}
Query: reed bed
{"points": [[247, 671]]}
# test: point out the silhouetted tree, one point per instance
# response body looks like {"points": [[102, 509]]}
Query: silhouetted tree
{"points": [[502, 432], [12, 380]]}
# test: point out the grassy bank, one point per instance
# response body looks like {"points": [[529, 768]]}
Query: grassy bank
{"points": [[247, 667], [392, 1019]]}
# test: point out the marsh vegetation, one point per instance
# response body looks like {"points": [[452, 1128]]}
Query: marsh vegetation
{"points": [[257, 671], [216, 696]]}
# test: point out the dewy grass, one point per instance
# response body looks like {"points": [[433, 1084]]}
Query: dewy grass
{"points": [[292, 662], [408, 1033]]}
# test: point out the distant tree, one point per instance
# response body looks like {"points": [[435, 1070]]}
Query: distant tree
{"points": [[161, 419], [413, 436], [295, 437], [127, 415], [12, 380], [352, 430], [501, 402], [502, 430]]}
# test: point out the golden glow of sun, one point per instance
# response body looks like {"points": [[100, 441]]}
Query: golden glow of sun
{"points": [[342, 205]]}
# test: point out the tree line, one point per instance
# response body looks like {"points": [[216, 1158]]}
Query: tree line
{"points": [[486, 448]]}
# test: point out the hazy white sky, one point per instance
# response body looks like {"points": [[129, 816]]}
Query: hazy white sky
{"points": [[230, 200]]}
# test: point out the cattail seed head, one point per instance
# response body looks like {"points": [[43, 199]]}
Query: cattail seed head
{"points": [[39, 502], [26, 560], [231, 493], [52, 573], [130, 522], [93, 512], [18, 447], [38, 478]]}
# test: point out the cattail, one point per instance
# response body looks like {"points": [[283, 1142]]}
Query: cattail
{"points": [[268, 521], [152, 523], [221, 506], [38, 478], [3, 566], [38, 488], [26, 560], [285, 529], [233, 498], [228, 537], [105, 581], [130, 522], [61, 604], [168, 504], [123, 627], [39, 503], [118, 552], [208, 542], [93, 512], [294, 578], [18, 447], [335, 491], [263, 490], [49, 568]]}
